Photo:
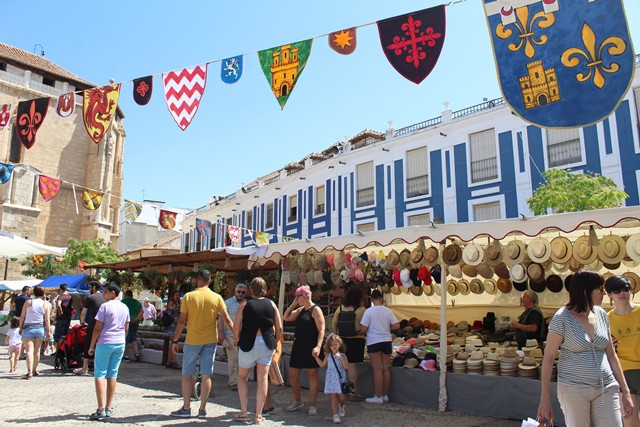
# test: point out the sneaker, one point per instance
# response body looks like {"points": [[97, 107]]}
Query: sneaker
{"points": [[374, 399], [183, 413], [295, 405], [313, 410], [136, 357], [336, 419], [385, 398], [202, 413], [125, 357], [341, 411]]}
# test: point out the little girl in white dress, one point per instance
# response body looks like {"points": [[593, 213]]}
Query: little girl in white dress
{"points": [[337, 365]]}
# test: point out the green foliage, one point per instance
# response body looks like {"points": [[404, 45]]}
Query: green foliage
{"points": [[50, 266], [564, 191]]}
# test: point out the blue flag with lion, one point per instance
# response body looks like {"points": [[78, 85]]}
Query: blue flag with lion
{"points": [[561, 63]]}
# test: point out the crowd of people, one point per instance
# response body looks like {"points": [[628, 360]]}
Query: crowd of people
{"points": [[598, 366]]}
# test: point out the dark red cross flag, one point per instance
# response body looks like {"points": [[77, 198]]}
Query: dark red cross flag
{"points": [[412, 43], [142, 89]]}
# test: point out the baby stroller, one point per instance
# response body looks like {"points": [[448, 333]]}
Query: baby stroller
{"points": [[69, 354]]}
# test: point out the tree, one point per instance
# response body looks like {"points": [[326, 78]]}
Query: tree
{"points": [[564, 191], [78, 252]]}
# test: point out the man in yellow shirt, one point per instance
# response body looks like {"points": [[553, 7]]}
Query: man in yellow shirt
{"points": [[199, 311]]}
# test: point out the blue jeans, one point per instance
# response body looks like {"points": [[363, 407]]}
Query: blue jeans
{"points": [[206, 352]]}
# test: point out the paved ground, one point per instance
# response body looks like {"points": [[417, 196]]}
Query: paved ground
{"points": [[147, 393]]}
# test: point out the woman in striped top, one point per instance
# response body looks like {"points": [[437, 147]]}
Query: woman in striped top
{"points": [[589, 372]]}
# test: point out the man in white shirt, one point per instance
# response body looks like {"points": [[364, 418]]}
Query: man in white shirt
{"points": [[225, 336]]}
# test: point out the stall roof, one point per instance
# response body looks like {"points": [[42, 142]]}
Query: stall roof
{"points": [[76, 283], [12, 246], [17, 285], [223, 259], [626, 217]]}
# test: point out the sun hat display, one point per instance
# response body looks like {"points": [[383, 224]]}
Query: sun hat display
{"points": [[431, 256], [469, 270], [463, 287], [455, 271], [561, 250], [554, 283], [539, 249], [501, 270], [633, 247], [504, 285], [514, 252], [535, 272], [476, 286], [335, 278], [303, 278], [452, 288], [437, 289], [484, 270], [583, 252], [472, 254], [538, 286], [490, 286], [518, 273], [611, 249], [611, 266], [634, 279], [493, 253], [560, 268], [452, 254]]}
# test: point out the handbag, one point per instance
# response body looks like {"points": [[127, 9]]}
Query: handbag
{"points": [[346, 386]]}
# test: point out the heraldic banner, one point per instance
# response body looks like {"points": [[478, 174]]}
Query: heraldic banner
{"points": [[561, 63]]}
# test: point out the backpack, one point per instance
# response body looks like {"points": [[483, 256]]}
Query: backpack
{"points": [[347, 323], [167, 319]]}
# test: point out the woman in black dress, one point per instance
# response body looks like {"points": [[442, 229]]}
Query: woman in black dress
{"points": [[307, 345]]}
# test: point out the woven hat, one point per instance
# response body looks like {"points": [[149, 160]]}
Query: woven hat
{"points": [[286, 276], [504, 285], [561, 250], [303, 278], [469, 270], [634, 279], [518, 273], [554, 283], [493, 253], [463, 287], [472, 254], [311, 279], [539, 250], [417, 254], [416, 290], [633, 247], [393, 259], [452, 288], [611, 266], [428, 289], [405, 258], [431, 256], [514, 252], [339, 260], [455, 270], [574, 265], [484, 270], [535, 272], [452, 254], [501, 270], [315, 261], [583, 252], [560, 268], [612, 249], [396, 290], [490, 286], [476, 286]]}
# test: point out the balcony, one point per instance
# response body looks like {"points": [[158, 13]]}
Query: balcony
{"points": [[364, 197], [484, 170], [417, 186], [565, 153]]}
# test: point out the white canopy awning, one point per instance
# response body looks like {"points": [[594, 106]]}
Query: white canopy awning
{"points": [[16, 285], [12, 246]]}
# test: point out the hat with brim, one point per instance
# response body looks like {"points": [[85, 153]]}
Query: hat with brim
{"points": [[554, 283], [472, 254], [335, 278], [405, 258], [490, 286], [311, 278], [437, 289], [561, 250], [476, 286], [455, 270], [611, 249], [574, 265], [567, 282], [539, 250], [417, 254], [633, 247], [469, 270], [318, 277], [431, 256], [560, 268], [393, 259], [452, 254], [463, 287], [493, 253], [416, 290], [501, 270], [514, 252], [452, 288], [520, 286], [518, 273], [634, 279], [484, 270], [595, 265], [537, 286], [427, 289], [535, 272], [504, 285], [295, 278], [583, 252], [395, 289], [339, 260]]}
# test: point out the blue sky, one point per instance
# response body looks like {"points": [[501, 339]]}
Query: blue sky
{"points": [[239, 132]]}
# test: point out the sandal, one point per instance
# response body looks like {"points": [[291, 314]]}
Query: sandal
{"points": [[26, 376], [259, 419], [108, 412], [99, 414], [36, 373], [355, 397], [241, 416]]}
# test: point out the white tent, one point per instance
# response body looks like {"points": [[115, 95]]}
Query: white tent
{"points": [[12, 246], [16, 285]]}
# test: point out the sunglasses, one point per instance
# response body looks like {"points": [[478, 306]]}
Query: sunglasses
{"points": [[241, 292], [623, 289]]}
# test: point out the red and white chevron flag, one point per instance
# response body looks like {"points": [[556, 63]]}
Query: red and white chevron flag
{"points": [[183, 90]]}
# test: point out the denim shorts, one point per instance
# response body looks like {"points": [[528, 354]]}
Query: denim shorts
{"points": [[132, 335], [384, 347], [34, 331], [260, 353], [207, 353], [107, 360]]}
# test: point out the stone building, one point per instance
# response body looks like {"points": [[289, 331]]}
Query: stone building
{"points": [[64, 150]]}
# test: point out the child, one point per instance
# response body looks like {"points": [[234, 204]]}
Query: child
{"points": [[336, 364], [14, 340]]}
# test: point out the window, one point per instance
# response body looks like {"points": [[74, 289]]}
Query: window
{"points": [[486, 211], [293, 208], [367, 226], [48, 82], [320, 200], [563, 146], [417, 172], [269, 216], [484, 162], [249, 223], [420, 219], [364, 177]]}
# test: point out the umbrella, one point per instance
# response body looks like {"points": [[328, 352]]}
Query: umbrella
{"points": [[12, 246]]}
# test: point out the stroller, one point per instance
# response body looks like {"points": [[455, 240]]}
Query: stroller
{"points": [[69, 354]]}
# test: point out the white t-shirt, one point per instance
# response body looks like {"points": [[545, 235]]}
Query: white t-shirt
{"points": [[14, 336], [378, 319], [148, 311]]}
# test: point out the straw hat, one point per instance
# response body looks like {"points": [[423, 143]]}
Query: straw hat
{"points": [[484, 270], [501, 270], [535, 272], [339, 260], [518, 273], [286, 276], [574, 265], [417, 254], [452, 288], [469, 270], [455, 270], [428, 289], [452, 254], [490, 286], [416, 290], [504, 285], [431, 256], [560, 268], [393, 259], [612, 249], [539, 249], [463, 287], [405, 258], [311, 279], [514, 252], [395, 289], [554, 283], [437, 289], [634, 279], [633, 247], [561, 250], [472, 254], [583, 252], [493, 253], [476, 286]]}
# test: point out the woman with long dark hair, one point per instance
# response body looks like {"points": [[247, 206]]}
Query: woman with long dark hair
{"points": [[589, 372]]}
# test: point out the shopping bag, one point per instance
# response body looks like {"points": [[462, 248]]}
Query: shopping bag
{"points": [[530, 422]]}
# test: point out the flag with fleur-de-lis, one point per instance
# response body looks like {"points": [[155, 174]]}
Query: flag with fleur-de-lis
{"points": [[29, 118], [561, 64]]}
